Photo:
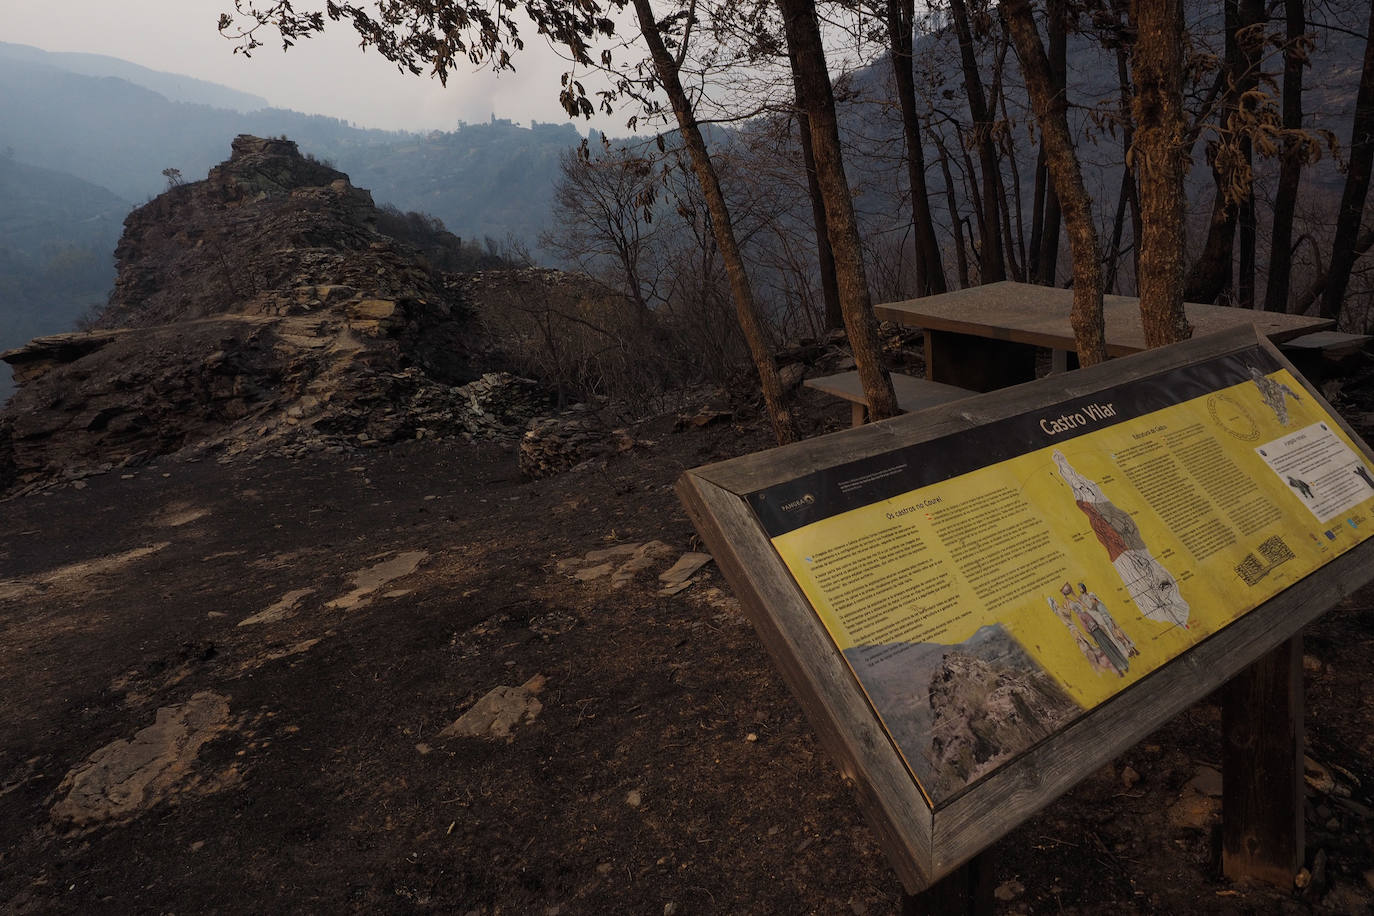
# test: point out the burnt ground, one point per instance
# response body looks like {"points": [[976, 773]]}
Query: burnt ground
{"points": [[669, 770]]}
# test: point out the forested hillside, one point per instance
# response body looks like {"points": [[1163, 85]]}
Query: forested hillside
{"points": [[981, 191], [57, 238]]}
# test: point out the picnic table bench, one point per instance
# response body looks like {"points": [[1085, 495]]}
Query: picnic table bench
{"points": [[1316, 354], [912, 393], [984, 337]]}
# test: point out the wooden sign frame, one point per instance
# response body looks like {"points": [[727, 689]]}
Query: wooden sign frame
{"points": [[923, 842]]}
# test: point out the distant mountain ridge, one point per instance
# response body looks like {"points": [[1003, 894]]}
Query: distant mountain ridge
{"points": [[93, 135], [493, 179], [176, 87]]}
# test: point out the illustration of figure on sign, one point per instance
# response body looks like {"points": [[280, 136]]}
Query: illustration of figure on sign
{"points": [[1148, 583], [1094, 603], [1095, 656], [1096, 631], [1303, 487], [1274, 393]]}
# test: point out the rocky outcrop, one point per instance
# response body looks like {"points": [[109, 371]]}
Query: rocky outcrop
{"points": [[269, 232], [500, 711], [257, 311]]}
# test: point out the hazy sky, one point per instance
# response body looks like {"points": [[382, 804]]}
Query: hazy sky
{"points": [[326, 75]]}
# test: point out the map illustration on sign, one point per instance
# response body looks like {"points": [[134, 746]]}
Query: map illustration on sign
{"points": [[1275, 394], [1150, 586], [988, 587]]}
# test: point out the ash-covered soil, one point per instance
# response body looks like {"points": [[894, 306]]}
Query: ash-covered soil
{"points": [[223, 688]]}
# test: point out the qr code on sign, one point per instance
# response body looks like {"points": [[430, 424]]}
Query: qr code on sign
{"points": [[1250, 570], [1275, 551]]}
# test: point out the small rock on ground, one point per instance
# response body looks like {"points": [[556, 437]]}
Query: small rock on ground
{"points": [[1009, 890], [1206, 781], [679, 576], [497, 713]]}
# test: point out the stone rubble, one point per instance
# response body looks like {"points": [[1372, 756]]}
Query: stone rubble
{"points": [[619, 564], [554, 445], [679, 576]]}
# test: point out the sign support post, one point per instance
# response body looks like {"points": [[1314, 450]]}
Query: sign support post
{"points": [[966, 891], [1262, 772]]}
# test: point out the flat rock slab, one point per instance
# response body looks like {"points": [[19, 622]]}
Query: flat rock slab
{"points": [[74, 575], [500, 711], [367, 581], [593, 572], [679, 575], [279, 610], [272, 655], [125, 778], [181, 514], [620, 563]]}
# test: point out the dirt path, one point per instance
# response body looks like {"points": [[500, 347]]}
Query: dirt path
{"points": [[223, 688]]}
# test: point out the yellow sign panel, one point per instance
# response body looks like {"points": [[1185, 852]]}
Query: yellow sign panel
{"points": [[985, 611]]}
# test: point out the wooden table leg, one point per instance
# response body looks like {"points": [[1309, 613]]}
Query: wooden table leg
{"points": [[1262, 773], [857, 414], [977, 363], [1063, 360], [966, 891]]}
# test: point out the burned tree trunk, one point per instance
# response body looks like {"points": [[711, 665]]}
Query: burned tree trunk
{"points": [[1048, 256], [1042, 177], [1290, 168], [830, 290], [930, 269], [1251, 15], [1356, 185], [1303, 304], [814, 96], [1157, 61], [956, 219], [990, 261], [665, 66], [1212, 274], [1051, 113]]}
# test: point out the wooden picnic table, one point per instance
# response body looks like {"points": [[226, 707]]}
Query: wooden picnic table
{"points": [[984, 337]]}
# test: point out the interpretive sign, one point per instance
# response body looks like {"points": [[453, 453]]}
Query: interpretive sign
{"points": [[980, 603]]}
